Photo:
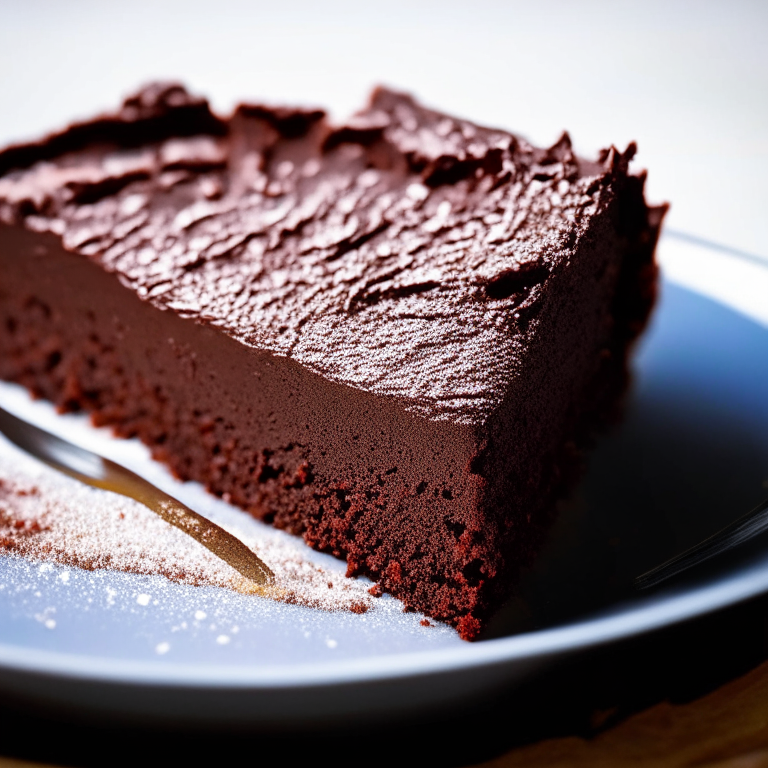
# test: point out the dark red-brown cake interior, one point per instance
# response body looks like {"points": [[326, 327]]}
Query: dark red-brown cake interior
{"points": [[380, 336]]}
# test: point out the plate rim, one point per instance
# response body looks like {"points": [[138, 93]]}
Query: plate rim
{"points": [[657, 613]]}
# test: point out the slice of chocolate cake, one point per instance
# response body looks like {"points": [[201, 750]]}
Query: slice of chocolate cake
{"points": [[380, 336]]}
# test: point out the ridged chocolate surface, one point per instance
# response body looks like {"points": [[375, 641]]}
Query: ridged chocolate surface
{"points": [[402, 254]]}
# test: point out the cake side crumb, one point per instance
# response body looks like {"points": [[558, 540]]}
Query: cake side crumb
{"points": [[379, 336], [48, 517]]}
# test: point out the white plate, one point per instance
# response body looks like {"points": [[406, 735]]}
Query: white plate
{"points": [[691, 455]]}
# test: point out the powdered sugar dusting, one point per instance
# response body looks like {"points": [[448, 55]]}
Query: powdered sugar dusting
{"points": [[46, 516]]}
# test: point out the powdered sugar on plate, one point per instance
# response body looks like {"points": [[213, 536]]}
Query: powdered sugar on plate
{"points": [[92, 573], [46, 516]]}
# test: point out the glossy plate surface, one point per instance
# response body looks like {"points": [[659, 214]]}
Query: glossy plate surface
{"points": [[690, 456]]}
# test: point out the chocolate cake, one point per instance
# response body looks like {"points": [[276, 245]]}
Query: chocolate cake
{"points": [[381, 336]]}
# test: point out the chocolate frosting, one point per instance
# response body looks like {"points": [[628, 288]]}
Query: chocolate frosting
{"points": [[402, 253]]}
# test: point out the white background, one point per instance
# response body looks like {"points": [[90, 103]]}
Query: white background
{"points": [[687, 80]]}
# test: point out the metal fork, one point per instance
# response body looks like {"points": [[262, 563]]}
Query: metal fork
{"points": [[737, 533], [94, 470]]}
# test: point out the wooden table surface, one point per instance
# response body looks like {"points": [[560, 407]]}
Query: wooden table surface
{"points": [[726, 729]]}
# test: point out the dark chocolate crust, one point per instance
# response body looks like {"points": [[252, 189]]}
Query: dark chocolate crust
{"points": [[379, 336]]}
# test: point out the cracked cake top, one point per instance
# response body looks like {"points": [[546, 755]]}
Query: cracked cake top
{"points": [[402, 253]]}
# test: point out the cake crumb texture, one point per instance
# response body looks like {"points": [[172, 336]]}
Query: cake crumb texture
{"points": [[50, 518], [384, 336]]}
